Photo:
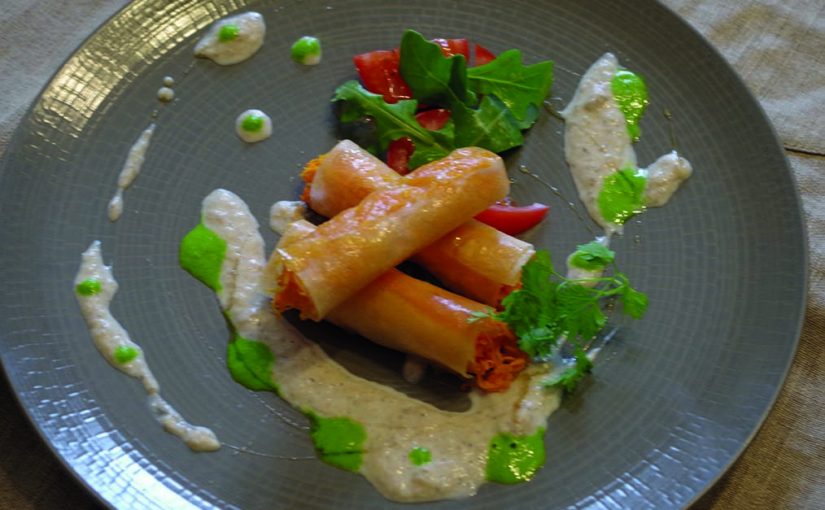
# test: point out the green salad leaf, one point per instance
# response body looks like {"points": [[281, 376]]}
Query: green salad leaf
{"points": [[432, 77], [491, 126], [518, 86], [490, 105], [393, 121]]}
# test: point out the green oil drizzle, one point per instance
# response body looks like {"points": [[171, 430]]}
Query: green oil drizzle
{"points": [[252, 123], [339, 441], [124, 354], [630, 93], [250, 364], [515, 459], [622, 195], [420, 456], [228, 32], [201, 253], [88, 287]]}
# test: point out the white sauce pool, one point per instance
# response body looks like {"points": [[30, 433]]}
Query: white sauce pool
{"points": [[284, 212], [394, 423], [129, 172], [249, 39], [166, 94], [262, 133], [108, 334], [597, 144]]}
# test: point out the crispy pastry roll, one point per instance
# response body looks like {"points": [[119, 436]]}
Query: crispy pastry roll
{"points": [[413, 316], [343, 255], [474, 260]]}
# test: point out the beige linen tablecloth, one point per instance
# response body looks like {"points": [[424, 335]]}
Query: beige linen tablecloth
{"points": [[777, 46]]}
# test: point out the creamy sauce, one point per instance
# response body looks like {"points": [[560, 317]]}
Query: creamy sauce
{"points": [[166, 94], [95, 286], [389, 428], [129, 172], [284, 212], [664, 177], [253, 126], [596, 141], [232, 40], [598, 145]]}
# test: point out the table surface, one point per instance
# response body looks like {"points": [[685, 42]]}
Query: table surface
{"points": [[775, 45]]}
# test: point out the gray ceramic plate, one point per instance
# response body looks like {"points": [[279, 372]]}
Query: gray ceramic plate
{"points": [[674, 399]]}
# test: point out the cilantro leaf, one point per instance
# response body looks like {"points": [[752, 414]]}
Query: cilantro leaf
{"points": [[516, 85], [549, 310], [622, 195], [393, 121], [634, 303], [570, 378], [432, 77], [593, 255]]}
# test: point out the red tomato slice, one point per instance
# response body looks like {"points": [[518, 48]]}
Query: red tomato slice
{"points": [[483, 55], [398, 155], [433, 119], [399, 151], [450, 47], [513, 220], [379, 73]]}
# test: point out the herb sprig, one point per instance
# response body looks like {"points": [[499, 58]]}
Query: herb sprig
{"points": [[550, 309]]}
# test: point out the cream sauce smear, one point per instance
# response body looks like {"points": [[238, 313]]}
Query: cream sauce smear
{"points": [[395, 424], [129, 172], [95, 288], [597, 144], [232, 40]]}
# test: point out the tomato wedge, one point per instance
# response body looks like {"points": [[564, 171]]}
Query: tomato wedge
{"points": [[483, 55], [379, 73], [399, 151], [450, 47], [512, 219]]}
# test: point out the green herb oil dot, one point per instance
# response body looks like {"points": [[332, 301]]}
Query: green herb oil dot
{"points": [[420, 456], [252, 123], [622, 195], [201, 253], [124, 354], [88, 287], [339, 441], [514, 459], [630, 93], [250, 364], [228, 32], [307, 50]]}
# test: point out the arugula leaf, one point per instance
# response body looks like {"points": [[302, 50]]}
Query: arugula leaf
{"points": [[622, 195], [491, 126], [516, 85], [393, 121], [432, 77], [593, 255]]}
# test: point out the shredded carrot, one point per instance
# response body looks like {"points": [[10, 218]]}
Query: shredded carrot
{"points": [[308, 175], [498, 360], [291, 295]]}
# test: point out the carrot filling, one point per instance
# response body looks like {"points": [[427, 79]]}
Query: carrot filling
{"points": [[291, 295], [498, 360], [308, 175]]}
